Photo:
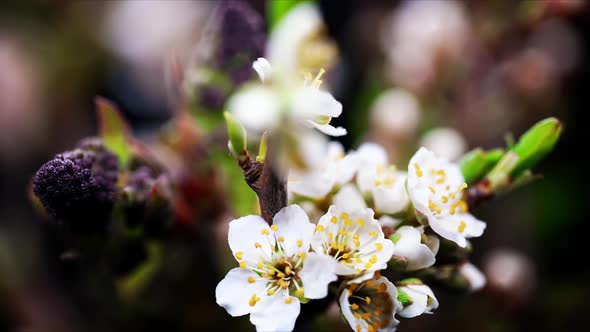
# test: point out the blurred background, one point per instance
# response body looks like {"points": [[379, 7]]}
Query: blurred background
{"points": [[408, 73]]}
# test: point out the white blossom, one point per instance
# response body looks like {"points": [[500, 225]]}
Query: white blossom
{"points": [[262, 107], [422, 300], [354, 240], [335, 169], [385, 184], [370, 305], [408, 244], [275, 269], [435, 187], [445, 142]]}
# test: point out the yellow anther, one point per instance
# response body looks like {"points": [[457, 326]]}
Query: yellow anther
{"points": [[388, 181], [271, 272], [373, 234], [287, 270], [280, 275], [378, 312], [368, 266], [353, 287], [283, 284], [281, 239], [373, 259], [368, 300], [345, 256], [251, 280], [271, 292], [239, 255], [358, 260], [259, 266], [376, 325], [445, 199], [366, 315], [288, 300], [379, 246], [357, 316], [459, 204], [462, 226], [371, 328], [377, 183], [299, 243], [253, 300], [243, 264], [344, 215], [301, 254], [434, 207], [418, 170], [274, 227], [319, 228], [342, 232], [265, 231], [432, 190], [258, 245], [358, 328], [300, 292], [340, 247], [360, 222], [330, 236], [334, 220], [347, 222], [334, 245], [370, 283], [354, 306], [357, 243], [380, 169], [355, 237]]}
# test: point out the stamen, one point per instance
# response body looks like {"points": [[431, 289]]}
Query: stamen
{"points": [[243, 265], [265, 231], [354, 306], [274, 227], [251, 280], [319, 228], [288, 300], [379, 246], [258, 245], [253, 300], [334, 220], [418, 170], [462, 226], [239, 255], [299, 243]]}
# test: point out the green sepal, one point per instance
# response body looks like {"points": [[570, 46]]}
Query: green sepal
{"points": [[409, 281], [476, 163], [237, 136], [404, 298], [278, 9]]}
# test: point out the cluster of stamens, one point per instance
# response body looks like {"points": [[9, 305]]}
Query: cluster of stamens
{"points": [[279, 270], [345, 245], [385, 176], [444, 199], [371, 302]]}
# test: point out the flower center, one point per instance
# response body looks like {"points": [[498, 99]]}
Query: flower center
{"points": [[372, 303], [385, 176]]}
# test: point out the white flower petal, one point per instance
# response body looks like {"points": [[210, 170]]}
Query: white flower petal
{"points": [[273, 313], [309, 103], [391, 200], [312, 185], [256, 107], [316, 274], [349, 198], [234, 291], [328, 129], [476, 279], [294, 229], [419, 256], [372, 154], [387, 221], [244, 233], [419, 294], [433, 242], [263, 68]]}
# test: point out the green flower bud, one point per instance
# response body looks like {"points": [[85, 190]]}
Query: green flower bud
{"points": [[237, 136], [536, 143], [476, 163]]}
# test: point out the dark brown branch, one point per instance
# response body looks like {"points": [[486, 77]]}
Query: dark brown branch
{"points": [[269, 186]]}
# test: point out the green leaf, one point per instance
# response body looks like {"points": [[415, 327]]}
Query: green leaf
{"points": [[395, 237], [113, 130]]}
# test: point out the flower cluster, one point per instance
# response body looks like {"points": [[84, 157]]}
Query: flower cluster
{"points": [[353, 199]]}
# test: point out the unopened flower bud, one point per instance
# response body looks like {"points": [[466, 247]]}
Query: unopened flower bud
{"points": [[536, 143], [476, 163], [237, 136], [78, 187]]}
